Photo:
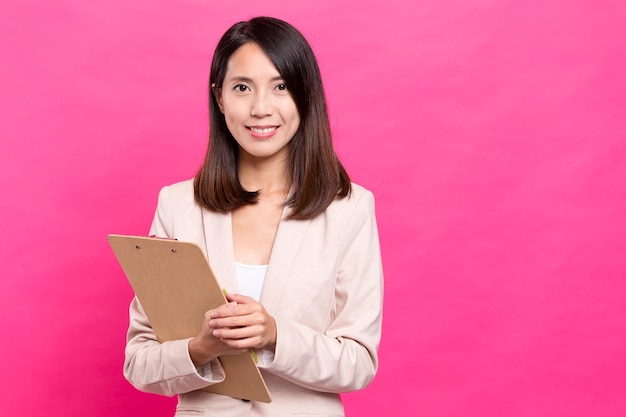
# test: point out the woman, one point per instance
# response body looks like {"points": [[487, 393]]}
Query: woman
{"points": [[289, 237]]}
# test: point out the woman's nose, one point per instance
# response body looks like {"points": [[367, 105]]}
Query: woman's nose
{"points": [[261, 105]]}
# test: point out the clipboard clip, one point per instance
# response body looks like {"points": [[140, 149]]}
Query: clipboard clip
{"points": [[138, 246], [162, 238]]}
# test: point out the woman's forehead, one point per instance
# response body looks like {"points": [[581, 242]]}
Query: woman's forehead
{"points": [[250, 63]]}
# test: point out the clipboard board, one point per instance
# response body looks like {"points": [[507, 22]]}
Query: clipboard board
{"points": [[175, 286]]}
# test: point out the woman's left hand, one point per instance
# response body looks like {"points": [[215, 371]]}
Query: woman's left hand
{"points": [[244, 323]]}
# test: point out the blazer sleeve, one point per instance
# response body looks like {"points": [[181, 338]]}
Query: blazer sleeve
{"points": [[344, 356], [162, 368]]}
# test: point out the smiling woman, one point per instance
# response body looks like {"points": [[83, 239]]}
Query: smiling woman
{"points": [[259, 111], [314, 174], [274, 209]]}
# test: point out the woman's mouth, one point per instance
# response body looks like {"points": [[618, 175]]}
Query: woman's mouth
{"points": [[262, 131]]}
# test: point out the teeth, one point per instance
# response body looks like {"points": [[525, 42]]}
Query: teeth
{"points": [[263, 130]]}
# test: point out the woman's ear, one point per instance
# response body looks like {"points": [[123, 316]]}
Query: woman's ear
{"points": [[218, 96]]}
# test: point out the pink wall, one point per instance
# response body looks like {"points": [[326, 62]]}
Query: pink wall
{"points": [[492, 133]]}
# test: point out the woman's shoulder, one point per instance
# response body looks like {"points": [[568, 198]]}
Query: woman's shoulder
{"points": [[360, 194], [181, 187], [359, 191], [185, 186], [359, 199], [346, 217], [178, 193]]}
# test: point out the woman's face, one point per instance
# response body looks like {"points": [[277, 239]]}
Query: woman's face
{"points": [[259, 110]]}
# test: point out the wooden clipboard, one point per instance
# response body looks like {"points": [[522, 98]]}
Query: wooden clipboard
{"points": [[175, 286]]}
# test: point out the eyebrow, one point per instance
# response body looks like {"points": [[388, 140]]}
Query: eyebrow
{"points": [[243, 79]]}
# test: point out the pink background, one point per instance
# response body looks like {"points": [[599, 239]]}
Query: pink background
{"points": [[492, 133]]}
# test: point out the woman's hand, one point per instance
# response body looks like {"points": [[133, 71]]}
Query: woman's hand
{"points": [[243, 323], [205, 347], [231, 329]]}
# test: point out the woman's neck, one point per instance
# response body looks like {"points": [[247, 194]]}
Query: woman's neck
{"points": [[268, 177]]}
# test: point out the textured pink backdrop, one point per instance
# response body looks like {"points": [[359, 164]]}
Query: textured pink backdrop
{"points": [[492, 133]]}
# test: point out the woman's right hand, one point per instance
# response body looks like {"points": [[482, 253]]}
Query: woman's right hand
{"points": [[205, 347]]}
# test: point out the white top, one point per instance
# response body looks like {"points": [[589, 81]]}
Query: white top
{"points": [[250, 279]]}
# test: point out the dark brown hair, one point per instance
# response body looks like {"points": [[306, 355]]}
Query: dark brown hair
{"points": [[317, 176]]}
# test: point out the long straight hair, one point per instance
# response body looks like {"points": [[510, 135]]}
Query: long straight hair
{"points": [[317, 177]]}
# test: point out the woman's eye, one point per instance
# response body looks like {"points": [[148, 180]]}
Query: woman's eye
{"points": [[282, 87], [241, 88]]}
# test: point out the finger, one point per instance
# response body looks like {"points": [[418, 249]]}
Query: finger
{"points": [[240, 299], [249, 342], [237, 343], [233, 321], [225, 310], [240, 333]]}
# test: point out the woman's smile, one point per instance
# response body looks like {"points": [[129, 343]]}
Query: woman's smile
{"points": [[262, 132]]}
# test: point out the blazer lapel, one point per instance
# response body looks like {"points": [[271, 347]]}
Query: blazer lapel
{"points": [[218, 235], [289, 237]]}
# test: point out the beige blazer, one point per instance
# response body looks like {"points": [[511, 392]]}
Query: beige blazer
{"points": [[324, 288]]}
